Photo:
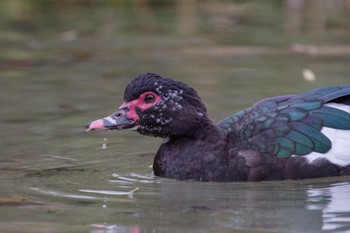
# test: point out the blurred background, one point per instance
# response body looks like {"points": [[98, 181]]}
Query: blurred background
{"points": [[231, 47], [64, 63]]}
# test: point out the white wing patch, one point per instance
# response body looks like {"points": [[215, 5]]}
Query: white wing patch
{"points": [[339, 154]]}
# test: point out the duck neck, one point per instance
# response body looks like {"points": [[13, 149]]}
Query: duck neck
{"points": [[205, 131], [192, 155]]}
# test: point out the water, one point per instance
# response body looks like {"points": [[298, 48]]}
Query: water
{"points": [[62, 66]]}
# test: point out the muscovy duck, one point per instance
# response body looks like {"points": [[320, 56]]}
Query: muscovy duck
{"points": [[285, 137]]}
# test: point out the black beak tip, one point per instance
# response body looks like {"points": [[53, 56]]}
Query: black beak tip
{"points": [[87, 128]]}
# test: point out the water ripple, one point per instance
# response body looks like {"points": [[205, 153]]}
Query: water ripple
{"points": [[130, 194]]}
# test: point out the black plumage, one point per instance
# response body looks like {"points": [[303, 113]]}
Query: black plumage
{"points": [[277, 138]]}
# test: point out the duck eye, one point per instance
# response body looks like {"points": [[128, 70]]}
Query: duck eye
{"points": [[149, 99]]}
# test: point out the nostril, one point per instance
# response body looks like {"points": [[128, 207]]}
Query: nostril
{"points": [[119, 114]]}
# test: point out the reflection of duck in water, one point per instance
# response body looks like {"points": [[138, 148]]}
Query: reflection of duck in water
{"points": [[286, 137], [334, 205]]}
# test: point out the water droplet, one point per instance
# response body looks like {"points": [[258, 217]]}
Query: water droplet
{"points": [[104, 145], [105, 212]]}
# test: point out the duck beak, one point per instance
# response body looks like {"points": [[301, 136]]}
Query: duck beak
{"points": [[118, 120]]}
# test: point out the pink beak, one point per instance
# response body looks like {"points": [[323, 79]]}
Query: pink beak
{"points": [[118, 120]]}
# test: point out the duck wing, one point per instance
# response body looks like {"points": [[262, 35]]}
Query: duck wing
{"points": [[292, 125]]}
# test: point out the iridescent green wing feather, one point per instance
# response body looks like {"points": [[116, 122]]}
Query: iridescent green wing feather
{"points": [[289, 125]]}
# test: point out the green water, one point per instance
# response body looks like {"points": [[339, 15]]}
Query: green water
{"points": [[65, 63]]}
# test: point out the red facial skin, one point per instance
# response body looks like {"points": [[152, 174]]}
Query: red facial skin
{"points": [[143, 103], [140, 103]]}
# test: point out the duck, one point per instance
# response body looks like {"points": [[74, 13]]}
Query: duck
{"points": [[288, 137]]}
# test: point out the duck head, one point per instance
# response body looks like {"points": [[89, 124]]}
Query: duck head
{"points": [[156, 106]]}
